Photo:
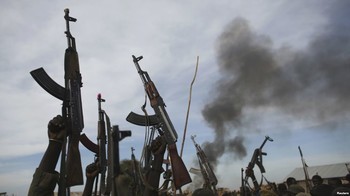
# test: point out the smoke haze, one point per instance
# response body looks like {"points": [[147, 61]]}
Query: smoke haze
{"points": [[311, 84]]}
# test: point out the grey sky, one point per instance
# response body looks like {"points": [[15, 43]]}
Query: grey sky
{"points": [[170, 35]]}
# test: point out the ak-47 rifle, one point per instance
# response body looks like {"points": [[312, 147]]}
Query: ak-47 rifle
{"points": [[137, 187], [256, 160], [101, 140], [306, 173], [210, 180], [108, 160], [71, 169], [164, 124]]}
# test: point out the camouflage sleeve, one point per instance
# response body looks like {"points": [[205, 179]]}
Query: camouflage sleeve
{"points": [[43, 183]]}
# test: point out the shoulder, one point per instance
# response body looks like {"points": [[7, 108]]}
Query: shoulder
{"points": [[322, 189]]}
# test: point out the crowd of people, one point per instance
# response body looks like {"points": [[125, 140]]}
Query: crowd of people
{"points": [[319, 187]]}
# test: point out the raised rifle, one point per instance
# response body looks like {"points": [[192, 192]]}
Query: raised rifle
{"points": [[101, 140], [210, 180], [256, 160], [108, 160], [306, 173], [71, 169], [137, 187], [167, 130]]}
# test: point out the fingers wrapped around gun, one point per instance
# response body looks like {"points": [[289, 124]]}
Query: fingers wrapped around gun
{"points": [[249, 172], [92, 169], [158, 145], [56, 124]]}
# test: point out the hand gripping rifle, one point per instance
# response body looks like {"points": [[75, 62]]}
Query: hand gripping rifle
{"points": [[210, 180], [71, 169], [161, 118], [256, 160]]}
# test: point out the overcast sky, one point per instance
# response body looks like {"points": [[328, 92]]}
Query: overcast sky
{"points": [[277, 68]]}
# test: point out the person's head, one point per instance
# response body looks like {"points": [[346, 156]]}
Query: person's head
{"points": [[291, 181], [317, 180]]}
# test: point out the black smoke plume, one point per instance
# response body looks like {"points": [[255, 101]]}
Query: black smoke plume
{"points": [[311, 83]]}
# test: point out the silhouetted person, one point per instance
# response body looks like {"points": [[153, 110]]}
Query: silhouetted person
{"points": [[335, 182], [282, 190], [293, 187], [347, 178], [45, 177], [320, 189], [343, 189]]}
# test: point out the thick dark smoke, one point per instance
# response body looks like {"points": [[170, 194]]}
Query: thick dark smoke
{"points": [[311, 84]]}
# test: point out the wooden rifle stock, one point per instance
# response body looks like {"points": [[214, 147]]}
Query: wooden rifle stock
{"points": [[179, 170]]}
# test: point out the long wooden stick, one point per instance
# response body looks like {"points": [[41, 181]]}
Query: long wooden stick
{"points": [[188, 108]]}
